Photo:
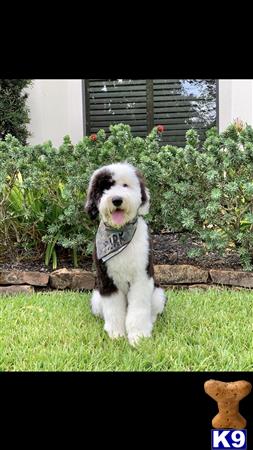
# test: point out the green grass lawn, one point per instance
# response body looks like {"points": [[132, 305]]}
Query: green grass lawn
{"points": [[198, 331]]}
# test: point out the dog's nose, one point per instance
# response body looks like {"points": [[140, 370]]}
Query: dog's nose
{"points": [[117, 201]]}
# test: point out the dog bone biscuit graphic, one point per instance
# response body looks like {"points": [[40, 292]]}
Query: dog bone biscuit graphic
{"points": [[228, 396]]}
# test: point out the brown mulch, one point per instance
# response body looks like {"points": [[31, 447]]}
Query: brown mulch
{"points": [[168, 248], [172, 248]]}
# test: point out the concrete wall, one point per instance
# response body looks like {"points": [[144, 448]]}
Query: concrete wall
{"points": [[56, 109]]}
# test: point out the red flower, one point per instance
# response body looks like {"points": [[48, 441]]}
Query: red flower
{"points": [[160, 128], [93, 137]]}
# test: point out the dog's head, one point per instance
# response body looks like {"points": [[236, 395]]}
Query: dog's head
{"points": [[117, 193]]}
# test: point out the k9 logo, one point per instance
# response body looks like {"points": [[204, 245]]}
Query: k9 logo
{"points": [[229, 439]]}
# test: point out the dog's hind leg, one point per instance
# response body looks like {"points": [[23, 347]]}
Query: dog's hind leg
{"points": [[96, 304], [157, 303]]}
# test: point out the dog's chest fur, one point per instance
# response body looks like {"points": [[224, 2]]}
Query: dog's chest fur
{"points": [[132, 263]]}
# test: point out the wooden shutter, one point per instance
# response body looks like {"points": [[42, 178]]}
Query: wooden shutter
{"points": [[143, 104], [115, 101], [179, 111]]}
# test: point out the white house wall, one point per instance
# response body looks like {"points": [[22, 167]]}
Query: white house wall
{"points": [[235, 101], [56, 108]]}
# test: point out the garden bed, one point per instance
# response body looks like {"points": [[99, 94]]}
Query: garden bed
{"points": [[172, 248], [168, 248], [173, 269]]}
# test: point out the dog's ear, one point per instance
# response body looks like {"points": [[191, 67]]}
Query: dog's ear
{"points": [[90, 207], [145, 197], [91, 200], [99, 182]]}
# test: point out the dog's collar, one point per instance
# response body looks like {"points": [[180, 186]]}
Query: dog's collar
{"points": [[111, 241]]}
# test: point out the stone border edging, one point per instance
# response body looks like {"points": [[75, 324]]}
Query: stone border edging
{"points": [[170, 276]]}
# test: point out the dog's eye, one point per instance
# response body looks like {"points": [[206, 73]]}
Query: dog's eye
{"points": [[125, 185]]}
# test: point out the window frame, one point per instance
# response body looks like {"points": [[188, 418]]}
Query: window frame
{"points": [[150, 110]]}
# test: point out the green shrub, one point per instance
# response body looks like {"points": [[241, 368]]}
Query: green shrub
{"points": [[210, 190], [204, 188], [42, 189], [14, 115]]}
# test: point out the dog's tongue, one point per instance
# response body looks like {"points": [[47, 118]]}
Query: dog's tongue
{"points": [[118, 217]]}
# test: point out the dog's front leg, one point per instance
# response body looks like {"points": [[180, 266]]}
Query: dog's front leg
{"points": [[138, 320], [114, 312]]}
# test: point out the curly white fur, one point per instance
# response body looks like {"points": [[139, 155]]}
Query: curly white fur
{"points": [[133, 309]]}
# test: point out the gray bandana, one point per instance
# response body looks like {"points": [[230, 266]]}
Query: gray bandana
{"points": [[111, 241]]}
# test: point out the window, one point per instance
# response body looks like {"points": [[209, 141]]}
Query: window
{"points": [[143, 104]]}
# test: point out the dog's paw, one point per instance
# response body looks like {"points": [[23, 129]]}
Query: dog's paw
{"points": [[115, 333], [135, 338]]}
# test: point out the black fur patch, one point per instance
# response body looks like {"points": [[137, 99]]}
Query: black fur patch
{"points": [[150, 266], [142, 186], [102, 181], [104, 283]]}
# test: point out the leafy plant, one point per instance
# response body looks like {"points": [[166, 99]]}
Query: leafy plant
{"points": [[210, 191], [206, 189], [14, 114]]}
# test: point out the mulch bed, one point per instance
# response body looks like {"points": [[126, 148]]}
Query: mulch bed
{"points": [[168, 248], [172, 248]]}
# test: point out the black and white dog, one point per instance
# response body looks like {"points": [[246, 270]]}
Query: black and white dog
{"points": [[126, 295]]}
